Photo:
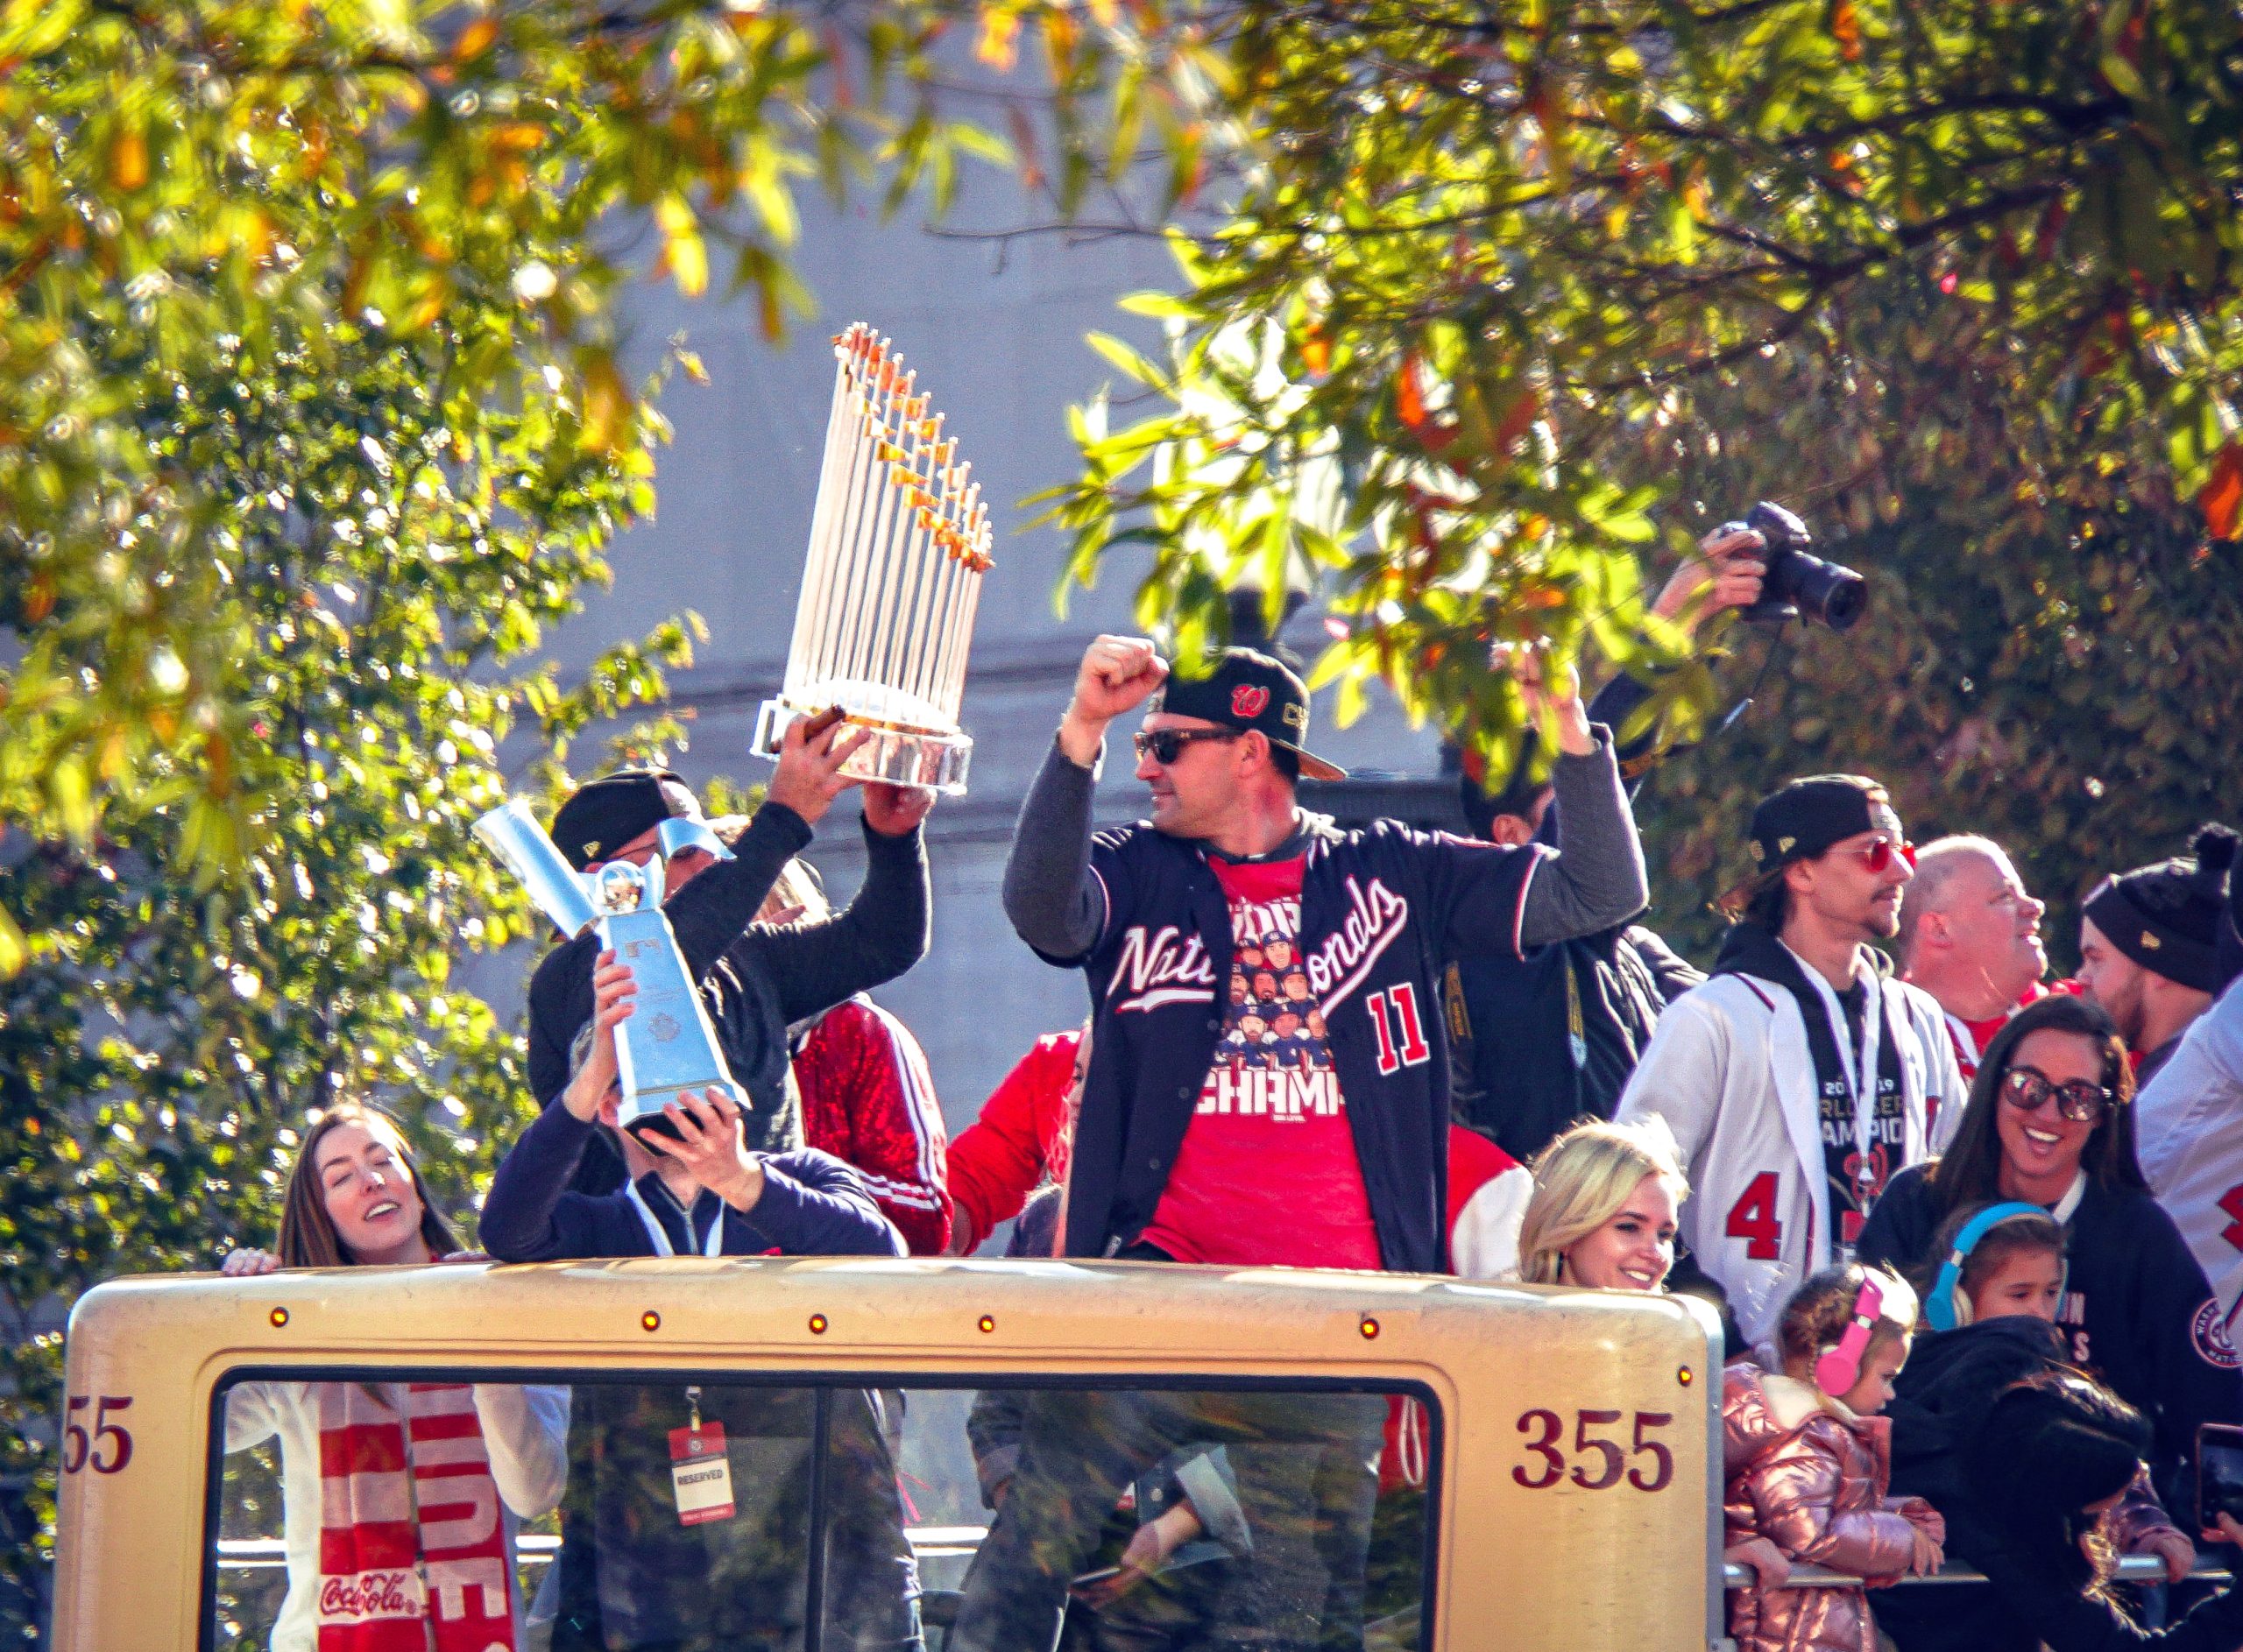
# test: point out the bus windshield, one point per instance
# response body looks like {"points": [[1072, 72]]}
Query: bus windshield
{"points": [[359, 1509]]}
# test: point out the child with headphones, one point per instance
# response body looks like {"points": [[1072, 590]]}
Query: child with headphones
{"points": [[1993, 1306], [1807, 1459]]}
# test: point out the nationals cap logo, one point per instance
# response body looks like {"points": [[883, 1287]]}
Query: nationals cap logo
{"points": [[1248, 700]]}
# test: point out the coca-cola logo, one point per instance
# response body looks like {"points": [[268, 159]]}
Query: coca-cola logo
{"points": [[371, 1594], [1248, 700]]}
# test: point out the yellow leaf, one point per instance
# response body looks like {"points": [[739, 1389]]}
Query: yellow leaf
{"points": [[475, 40], [128, 159], [607, 403], [682, 244], [999, 45], [13, 952]]}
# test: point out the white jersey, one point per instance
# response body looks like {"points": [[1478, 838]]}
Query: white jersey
{"points": [[1730, 1071], [2189, 1132]]}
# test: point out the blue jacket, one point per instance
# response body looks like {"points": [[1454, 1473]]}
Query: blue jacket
{"points": [[813, 1206]]}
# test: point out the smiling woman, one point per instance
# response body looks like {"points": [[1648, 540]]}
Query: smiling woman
{"points": [[472, 1450], [2050, 1123]]}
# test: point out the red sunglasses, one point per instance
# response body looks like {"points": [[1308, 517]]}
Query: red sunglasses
{"points": [[1879, 855]]}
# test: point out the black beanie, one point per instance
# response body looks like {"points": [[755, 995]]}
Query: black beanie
{"points": [[2167, 917]]}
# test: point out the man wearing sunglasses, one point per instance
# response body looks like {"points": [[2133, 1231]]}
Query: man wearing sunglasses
{"points": [[1204, 1135], [1800, 1076]]}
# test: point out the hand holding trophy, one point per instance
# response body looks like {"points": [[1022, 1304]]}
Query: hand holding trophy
{"points": [[665, 1046]]}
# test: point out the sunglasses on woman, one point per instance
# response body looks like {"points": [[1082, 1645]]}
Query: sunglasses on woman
{"points": [[1879, 854], [2027, 1090], [1165, 745]]}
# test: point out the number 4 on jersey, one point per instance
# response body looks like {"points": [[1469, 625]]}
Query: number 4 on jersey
{"points": [[1409, 1031], [1754, 1218]]}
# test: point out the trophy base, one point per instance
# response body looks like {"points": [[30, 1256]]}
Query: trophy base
{"points": [[641, 1110], [924, 758]]}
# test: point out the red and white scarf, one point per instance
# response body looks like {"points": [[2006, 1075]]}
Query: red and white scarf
{"points": [[411, 1549]]}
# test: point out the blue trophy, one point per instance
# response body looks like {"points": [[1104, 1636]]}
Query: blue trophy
{"points": [[669, 1047]]}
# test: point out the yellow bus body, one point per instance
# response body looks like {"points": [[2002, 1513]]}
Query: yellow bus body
{"points": [[1547, 1542]]}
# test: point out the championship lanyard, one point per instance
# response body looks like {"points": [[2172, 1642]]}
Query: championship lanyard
{"points": [[714, 1246], [1576, 1032], [1861, 1074]]}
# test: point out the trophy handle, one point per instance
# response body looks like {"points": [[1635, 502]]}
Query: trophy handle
{"points": [[679, 835], [511, 833]]}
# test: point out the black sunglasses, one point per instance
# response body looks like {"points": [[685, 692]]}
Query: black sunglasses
{"points": [[1165, 745], [2027, 1090]]}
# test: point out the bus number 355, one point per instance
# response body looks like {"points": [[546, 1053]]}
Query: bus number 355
{"points": [[1598, 1463]]}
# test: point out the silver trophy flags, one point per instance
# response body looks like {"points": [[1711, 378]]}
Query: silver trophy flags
{"points": [[899, 542], [667, 1047]]}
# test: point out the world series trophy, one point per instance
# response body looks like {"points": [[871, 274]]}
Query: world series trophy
{"points": [[899, 541], [667, 1048]]}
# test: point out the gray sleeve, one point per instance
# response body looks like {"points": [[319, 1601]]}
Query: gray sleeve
{"points": [[1595, 881], [1049, 894]]}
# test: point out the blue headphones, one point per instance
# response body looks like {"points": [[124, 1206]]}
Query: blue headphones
{"points": [[1941, 1310]]}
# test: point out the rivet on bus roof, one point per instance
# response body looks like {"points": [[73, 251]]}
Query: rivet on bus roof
{"points": [[988, 1322], [818, 1325], [1686, 1376], [1369, 1328], [650, 1321], [279, 1318]]}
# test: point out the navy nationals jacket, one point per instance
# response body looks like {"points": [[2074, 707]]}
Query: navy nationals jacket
{"points": [[1380, 908]]}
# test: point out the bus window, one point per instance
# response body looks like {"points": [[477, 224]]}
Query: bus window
{"points": [[683, 1511]]}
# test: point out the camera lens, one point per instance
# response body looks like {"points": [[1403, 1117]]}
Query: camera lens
{"points": [[1830, 592]]}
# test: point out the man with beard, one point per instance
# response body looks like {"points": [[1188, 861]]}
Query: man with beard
{"points": [[1799, 1077], [2148, 946], [1970, 936]]}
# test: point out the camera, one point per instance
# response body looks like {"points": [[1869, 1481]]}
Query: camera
{"points": [[1797, 581]]}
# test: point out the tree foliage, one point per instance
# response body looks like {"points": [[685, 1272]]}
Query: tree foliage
{"points": [[1465, 266], [192, 192], [312, 420]]}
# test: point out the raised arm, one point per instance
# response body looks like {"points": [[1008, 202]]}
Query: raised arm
{"points": [[1597, 879], [1050, 895], [883, 932]]}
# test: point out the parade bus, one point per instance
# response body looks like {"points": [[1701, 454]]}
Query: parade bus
{"points": [[1555, 1491]]}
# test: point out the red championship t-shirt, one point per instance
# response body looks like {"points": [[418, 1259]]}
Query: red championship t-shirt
{"points": [[1267, 1172]]}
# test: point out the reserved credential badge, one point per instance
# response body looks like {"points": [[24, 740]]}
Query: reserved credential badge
{"points": [[702, 1473]]}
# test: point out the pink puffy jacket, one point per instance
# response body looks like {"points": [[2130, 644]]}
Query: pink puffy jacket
{"points": [[1811, 1481]]}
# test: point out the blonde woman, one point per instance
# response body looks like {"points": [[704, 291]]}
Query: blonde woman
{"points": [[1603, 1210]]}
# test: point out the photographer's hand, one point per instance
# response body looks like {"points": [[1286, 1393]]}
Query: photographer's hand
{"points": [[1552, 694], [1726, 573]]}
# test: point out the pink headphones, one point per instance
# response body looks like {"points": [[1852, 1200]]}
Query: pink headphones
{"points": [[1839, 1368]]}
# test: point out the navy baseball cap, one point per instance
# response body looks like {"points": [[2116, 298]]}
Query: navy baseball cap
{"points": [[1801, 820], [603, 815], [1248, 689]]}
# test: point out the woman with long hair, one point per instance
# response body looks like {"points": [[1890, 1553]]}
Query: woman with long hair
{"points": [[1602, 1212], [420, 1468], [2041, 1480], [2050, 1123]]}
